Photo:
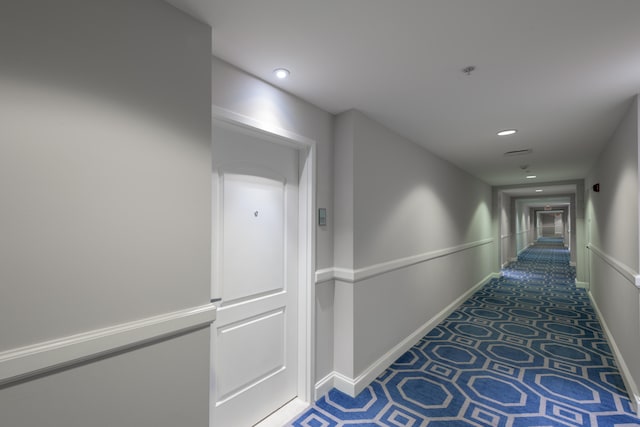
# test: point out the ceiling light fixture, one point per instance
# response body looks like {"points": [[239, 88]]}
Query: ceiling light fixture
{"points": [[538, 190], [507, 132], [281, 73], [531, 176]]}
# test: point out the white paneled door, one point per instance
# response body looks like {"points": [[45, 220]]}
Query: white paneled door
{"points": [[255, 273]]}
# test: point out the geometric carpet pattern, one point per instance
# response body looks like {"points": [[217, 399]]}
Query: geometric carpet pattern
{"points": [[525, 350]]}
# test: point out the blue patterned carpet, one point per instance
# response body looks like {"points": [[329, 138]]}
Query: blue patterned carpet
{"points": [[525, 350]]}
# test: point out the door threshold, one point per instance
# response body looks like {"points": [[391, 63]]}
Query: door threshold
{"points": [[284, 415]]}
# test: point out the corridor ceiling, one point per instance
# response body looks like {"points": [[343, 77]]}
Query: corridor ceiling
{"points": [[561, 72]]}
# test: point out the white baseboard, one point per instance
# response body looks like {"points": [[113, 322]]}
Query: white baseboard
{"points": [[353, 386], [335, 380], [324, 385], [284, 415], [345, 384], [629, 383], [583, 285]]}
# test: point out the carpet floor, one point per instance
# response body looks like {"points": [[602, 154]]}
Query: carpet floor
{"points": [[525, 350]]}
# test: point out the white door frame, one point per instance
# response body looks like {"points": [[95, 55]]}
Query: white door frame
{"points": [[306, 237]]}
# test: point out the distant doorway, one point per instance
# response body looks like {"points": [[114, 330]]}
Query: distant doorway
{"points": [[550, 224]]}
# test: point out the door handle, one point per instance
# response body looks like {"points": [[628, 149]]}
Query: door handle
{"points": [[216, 299]]}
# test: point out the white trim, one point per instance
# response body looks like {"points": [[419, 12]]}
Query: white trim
{"points": [[334, 273], [344, 274], [353, 276], [582, 285], [524, 249], [324, 385], [306, 235], [624, 270], [353, 386], [345, 384], [307, 266], [254, 125], [627, 378], [324, 275], [23, 362], [386, 267], [289, 412]]}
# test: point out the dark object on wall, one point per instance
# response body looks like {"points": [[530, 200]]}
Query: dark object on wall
{"points": [[322, 216], [596, 187]]}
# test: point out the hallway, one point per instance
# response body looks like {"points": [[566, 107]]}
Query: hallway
{"points": [[525, 350], [428, 158]]}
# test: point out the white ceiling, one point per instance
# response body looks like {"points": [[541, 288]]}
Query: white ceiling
{"points": [[562, 72], [547, 190], [555, 195]]}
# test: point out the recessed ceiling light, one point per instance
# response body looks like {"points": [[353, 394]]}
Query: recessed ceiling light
{"points": [[507, 132], [538, 190], [531, 176], [281, 73]]}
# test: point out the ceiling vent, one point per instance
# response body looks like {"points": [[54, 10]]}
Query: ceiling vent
{"points": [[518, 152]]}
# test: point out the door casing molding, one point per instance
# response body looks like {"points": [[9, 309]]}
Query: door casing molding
{"points": [[306, 235]]}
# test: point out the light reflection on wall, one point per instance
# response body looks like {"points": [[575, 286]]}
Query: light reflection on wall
{"points": [[422, 219], [266, 106]]}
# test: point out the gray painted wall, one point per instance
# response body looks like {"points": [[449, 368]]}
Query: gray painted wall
{"points": [[523, 229], [507, 249], [614, 210], [161, 385], [343, 164], [105, 218], [612, 227], [406, 202]]}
